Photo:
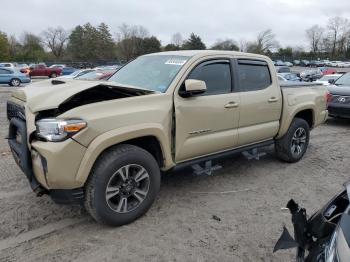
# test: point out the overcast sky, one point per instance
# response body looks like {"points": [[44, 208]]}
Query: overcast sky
{"points": [[211, 19]]}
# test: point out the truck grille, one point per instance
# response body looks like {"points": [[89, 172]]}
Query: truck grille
{"points": [[340, 99], [15, 111]]}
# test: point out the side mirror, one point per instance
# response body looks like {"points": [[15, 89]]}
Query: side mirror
{"points": [[331, 81], [194, 87]]}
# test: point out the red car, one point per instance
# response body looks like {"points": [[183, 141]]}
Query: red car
{"points": [[42, 70], [327, 71]]}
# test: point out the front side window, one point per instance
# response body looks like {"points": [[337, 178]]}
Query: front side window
{"points": [[152, 72], [253, 76], [216, 75]]}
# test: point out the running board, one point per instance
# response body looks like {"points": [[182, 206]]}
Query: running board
{"points": [[253, 155]]}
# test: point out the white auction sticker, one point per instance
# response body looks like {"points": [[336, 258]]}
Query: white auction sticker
{"points": [[175, 61]]}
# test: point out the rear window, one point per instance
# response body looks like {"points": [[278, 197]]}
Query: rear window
{"points": [[253, 75]]}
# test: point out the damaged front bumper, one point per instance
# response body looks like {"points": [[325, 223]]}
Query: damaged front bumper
{"points": [[50, 168], [324, 237]]}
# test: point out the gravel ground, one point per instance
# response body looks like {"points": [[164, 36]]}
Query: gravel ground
{"points": [[245, 196]]}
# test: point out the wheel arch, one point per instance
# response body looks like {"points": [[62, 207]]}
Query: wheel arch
{"points": [[308, 115], [153, 141], [306, 112]]}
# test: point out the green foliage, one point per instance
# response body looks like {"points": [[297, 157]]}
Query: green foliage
{"points": [[31, 49], [194, 43], [285, 52], [132, 47], [89, 43], [4, 47], [171, 47], [227, 44]]}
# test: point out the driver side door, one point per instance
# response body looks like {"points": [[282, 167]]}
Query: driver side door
{"points": [[207, 123]]}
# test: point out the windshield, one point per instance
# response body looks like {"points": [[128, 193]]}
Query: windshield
{"points": [[153, 72], [344, 80]]}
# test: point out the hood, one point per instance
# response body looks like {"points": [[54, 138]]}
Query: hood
{"points": [[339, 90], [50, 94]]}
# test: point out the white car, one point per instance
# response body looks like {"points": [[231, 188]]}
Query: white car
{"points": [[324, 80], [76, 73], [335, 63], [344, 64], [288, 64], [8, 65], [57, 66]]}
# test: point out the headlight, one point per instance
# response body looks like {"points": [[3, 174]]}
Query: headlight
{"points": [[56, 130], [331, 249]]}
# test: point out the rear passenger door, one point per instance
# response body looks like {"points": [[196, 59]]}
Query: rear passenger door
{"points": [[261, 101]]}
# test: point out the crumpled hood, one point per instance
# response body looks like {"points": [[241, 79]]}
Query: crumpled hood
{"points": [[49, 94]]}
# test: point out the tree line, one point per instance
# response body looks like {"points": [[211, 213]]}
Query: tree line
{"points": [[89, 43]]}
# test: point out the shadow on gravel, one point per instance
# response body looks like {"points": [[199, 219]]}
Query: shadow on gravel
{"points": [[341, 122]]}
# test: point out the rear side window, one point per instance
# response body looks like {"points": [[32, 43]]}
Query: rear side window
{"points": [[216, 75], [253, 75], [4, 71]]}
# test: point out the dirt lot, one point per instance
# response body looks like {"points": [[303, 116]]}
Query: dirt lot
{"points": [[245, 195]]}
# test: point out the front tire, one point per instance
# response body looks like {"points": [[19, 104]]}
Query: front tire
{"points": [[15, 82], [122, 185], [293, 145]]}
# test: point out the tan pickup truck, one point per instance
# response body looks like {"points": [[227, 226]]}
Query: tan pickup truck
{"points": [[104, 144]]}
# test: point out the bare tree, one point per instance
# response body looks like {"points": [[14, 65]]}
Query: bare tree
{"points": [[55, 39], [177, 39], [243, 45], [336, 26], [130, 39], [314, 35], [264, 43]]}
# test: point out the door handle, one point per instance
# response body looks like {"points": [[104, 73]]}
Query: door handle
{"points": [[273, 100], [231, 104]]}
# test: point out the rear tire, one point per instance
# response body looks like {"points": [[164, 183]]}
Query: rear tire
{"points": [[15, 82], [53, 75], [122, 186], [293, 145]]}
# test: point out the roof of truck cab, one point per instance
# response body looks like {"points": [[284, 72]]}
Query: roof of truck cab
{"points": [[191, 53]]}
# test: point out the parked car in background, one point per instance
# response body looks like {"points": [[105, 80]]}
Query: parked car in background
{"points": [[296, 62], [326, 79], [8, 65], [311, 75], [304, 62], [344, 64], [316, 63], [12, 76], [279, 63], [42, 70], [339, 105], [96, 75], [335, 63], [108, 67], [77, 73], [289, 64], [57, 66], [68, 70], [327, 70], [288, 77], [282, 69]]}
